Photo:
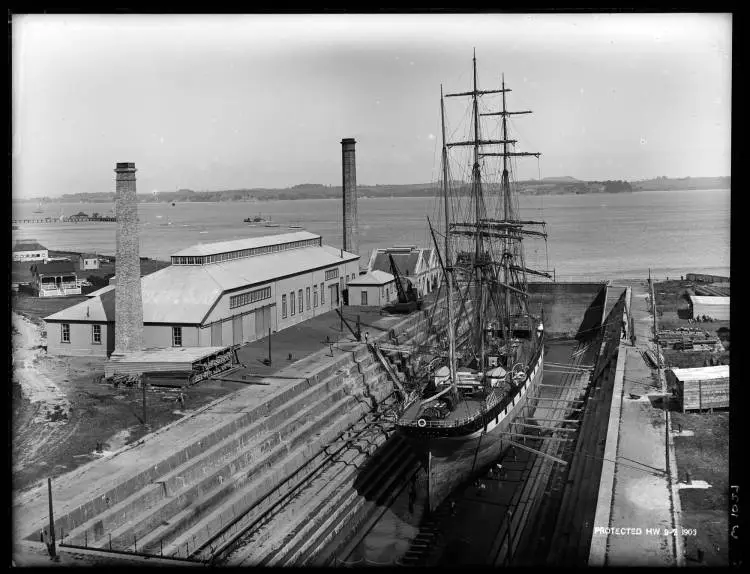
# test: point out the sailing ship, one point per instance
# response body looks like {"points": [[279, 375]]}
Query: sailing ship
{"points": [[39, 208], [465, 392]]}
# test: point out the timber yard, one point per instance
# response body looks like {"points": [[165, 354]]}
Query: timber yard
{"points": [[299, 462]]}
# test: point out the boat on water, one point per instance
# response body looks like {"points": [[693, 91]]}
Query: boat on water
{"points": [[464, 393], [255, 219], [270, 223], [295, 226], [39, 208]]}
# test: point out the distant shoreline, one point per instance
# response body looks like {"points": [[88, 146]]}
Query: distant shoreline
{"points": [[76, 201]]}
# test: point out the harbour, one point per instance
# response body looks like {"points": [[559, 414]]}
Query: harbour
{"points": [[489, 376]]}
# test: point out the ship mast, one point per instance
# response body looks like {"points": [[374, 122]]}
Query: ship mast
{"points": [[514, 226], [448, 269]]}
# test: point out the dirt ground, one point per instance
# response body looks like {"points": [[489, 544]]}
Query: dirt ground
{"points": [[705, 456], [703, 447], [60, 412], [673, 308]]}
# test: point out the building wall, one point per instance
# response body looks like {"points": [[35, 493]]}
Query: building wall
{"points": [[717, 312], [40, 255], [81, 343], [376, 294], [161, 336], [89, 263]]}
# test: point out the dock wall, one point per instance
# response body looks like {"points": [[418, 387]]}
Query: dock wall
{"points": [[589, 473]]}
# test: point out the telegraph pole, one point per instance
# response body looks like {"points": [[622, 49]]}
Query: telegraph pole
{"points": [[52, 550]]}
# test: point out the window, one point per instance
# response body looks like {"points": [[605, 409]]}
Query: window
{"points": [[364, 297], [96, 334], [177, 336], [301, 304], [387, 295], [283, 306], [322, 294], [249, 297], [315, 295], [291, 301], [332, 274], [65, 332], [307, 297]]}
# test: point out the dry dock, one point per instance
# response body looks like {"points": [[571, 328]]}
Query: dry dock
{"points": [[299, 466]]}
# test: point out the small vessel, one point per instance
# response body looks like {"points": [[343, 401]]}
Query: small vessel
{"points": [[270, 223], [39, 208], [256, 219], [467, 386], [295, 226]]}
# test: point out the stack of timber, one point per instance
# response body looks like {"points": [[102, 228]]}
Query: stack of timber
{"points": [[197, 363], [700, 388], [685, 338]]}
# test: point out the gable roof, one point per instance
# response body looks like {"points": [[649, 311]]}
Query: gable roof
{"points": [[248, 243], [96, 309], [406, 263], [185, 294], [373, 278], [54, 267]]}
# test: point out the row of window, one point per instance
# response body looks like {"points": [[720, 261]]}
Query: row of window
{"points": [[295, 299], [332, 274], [242, 253], [249, 297], [96, 333]]}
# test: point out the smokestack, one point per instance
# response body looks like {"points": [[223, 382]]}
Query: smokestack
{"points": [[349, 166], [128, 303]]}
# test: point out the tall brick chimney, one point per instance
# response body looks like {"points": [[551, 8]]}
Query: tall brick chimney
{"points": [[128, 302], [349, 167]]}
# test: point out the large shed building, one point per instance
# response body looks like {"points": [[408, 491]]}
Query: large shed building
{"points": [[716, 308], [217, 294]]}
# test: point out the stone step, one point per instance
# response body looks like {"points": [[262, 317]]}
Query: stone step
{"points": [[319, 501], [189, 472], [263, 482], [207, 513], [229, 467]]}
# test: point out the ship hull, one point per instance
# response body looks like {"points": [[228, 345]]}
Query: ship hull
{"points": [[451, 461]]}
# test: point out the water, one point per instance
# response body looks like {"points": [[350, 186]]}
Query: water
{"points": [[590, 236]]}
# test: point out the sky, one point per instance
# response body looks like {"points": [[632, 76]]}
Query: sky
{"points": [[210, 102]]}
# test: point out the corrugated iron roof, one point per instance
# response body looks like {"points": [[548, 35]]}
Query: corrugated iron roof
{"points": [[373, 278], [184, 294], [405, 262], [708, 300], [702, 373], [96, 309], [248, 243], [101, 291]]}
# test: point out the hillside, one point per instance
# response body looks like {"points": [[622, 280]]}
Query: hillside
{"points": [[547, 186]]}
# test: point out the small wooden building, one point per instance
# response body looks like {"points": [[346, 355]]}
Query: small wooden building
{"points": [[374, 289], [88, 261], [55, 279], [700, 388]]}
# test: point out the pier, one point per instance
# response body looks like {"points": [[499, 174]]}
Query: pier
{"points": [[49, 220]]}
